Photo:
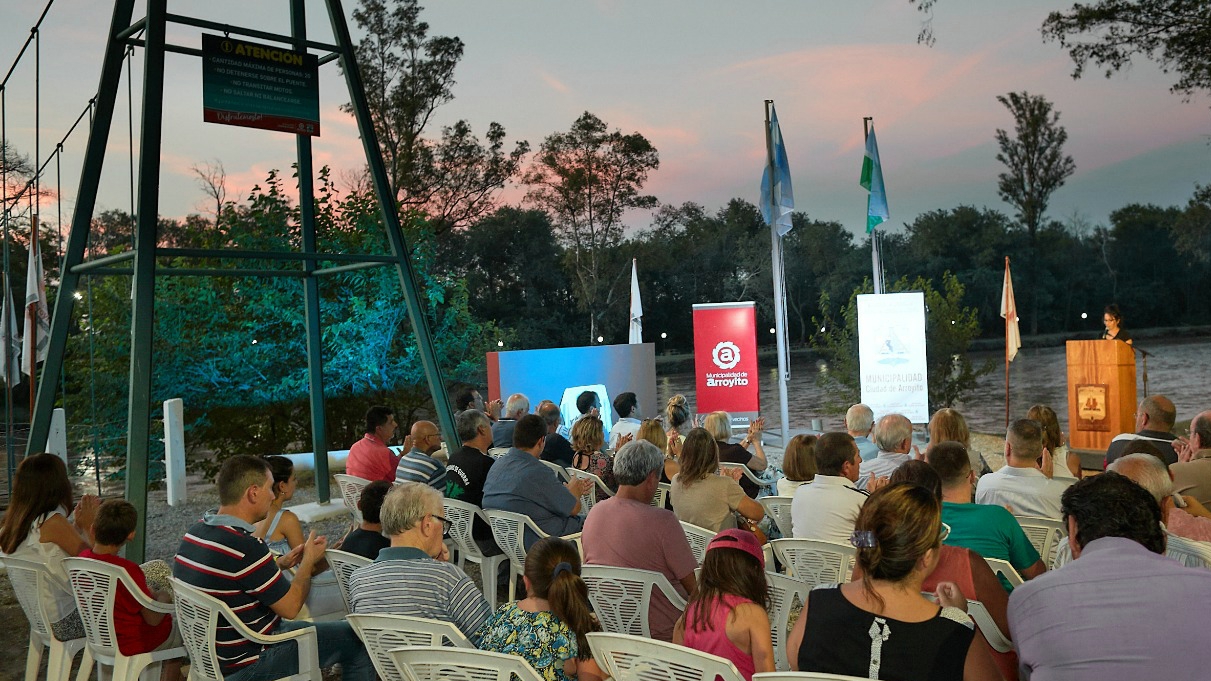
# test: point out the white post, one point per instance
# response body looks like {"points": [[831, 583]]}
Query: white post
{"points": [[779, 294], [56, 440], [174, 450]]}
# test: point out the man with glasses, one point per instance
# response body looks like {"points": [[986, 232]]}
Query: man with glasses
{"points": [[413, 576], [1192, 474], [419, 464]]}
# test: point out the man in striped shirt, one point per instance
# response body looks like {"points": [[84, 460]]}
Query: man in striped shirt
{"points": [[220, 556], [419, 464], [413, 576]]}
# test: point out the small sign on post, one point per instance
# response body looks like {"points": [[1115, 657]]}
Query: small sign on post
{"points": [[174, 450], [56, 441], [259, 86]]}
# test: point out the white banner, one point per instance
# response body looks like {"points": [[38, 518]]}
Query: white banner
{"points": [[891, 354]]}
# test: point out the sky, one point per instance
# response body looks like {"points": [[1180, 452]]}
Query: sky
{"points": [[690, 75]]}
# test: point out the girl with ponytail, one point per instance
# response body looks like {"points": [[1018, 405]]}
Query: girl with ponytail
{"points": [[548, 627]]}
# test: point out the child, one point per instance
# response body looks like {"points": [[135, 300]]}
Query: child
{"points": [[548, 627], [727, 617], [367, 539], [139, 629]]}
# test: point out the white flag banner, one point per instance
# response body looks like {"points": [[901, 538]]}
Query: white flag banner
{"points": [[10, 355], [37, 325], [636, 327], [1009, 310]]}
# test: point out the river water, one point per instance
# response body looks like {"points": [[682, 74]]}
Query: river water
{"points": [[1178, 369]]}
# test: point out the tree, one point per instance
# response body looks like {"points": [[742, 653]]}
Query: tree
{"points": [[1037, 167], [586, 179], [1192, 230], [1109, 33]]}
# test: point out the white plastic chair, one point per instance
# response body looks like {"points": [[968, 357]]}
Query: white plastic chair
{"points": [[779, 510], [622, 597], [28, 578], [198, 617], [783, 592], [497, 452], [1195, 554], [383, 633], [630, 658], [462, 517], [1063, 555], [699, 538], [804, 676], [509, 530], [95, 585], [343, 564], [1002, 568], [439, 664], [590, 497], [559, 470], [351, 488], [992, 633], [1045, 534], [747, 473], [662, 494], [815, 562]]}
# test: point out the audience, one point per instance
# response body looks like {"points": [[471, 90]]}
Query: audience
{"points": [[700, 495], [948, 425], [518, 482], [880, 626], [1151, 473], [609, 536], [370, 458], [1024, 485], [798, 464], [859, 422], [719, 425], [1154, 421], [367, 539], [587, 441], [516, 406], [37, 527], [1067, 463], [557, 448], [1192, 475], [420, 464], [547, 628], [626, 407], [989, 530], [827, 508], [1120, 610], [893, 435], [728, 616], [219, 556]]}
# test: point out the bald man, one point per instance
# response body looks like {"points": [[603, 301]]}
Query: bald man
{"points": [[1154, 421], [419, 464]]}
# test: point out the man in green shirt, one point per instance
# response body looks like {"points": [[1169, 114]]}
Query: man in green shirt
{"points": [[990, 531]]}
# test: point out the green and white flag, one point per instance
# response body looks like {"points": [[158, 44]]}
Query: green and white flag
{"points": [[872, 181]]}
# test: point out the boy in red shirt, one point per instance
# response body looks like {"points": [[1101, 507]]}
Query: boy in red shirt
{"points": [[139, 629]]}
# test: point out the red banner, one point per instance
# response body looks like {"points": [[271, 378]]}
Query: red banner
{"points": [[725, 359]]}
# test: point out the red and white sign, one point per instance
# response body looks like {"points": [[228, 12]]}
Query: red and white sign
{"points": [[725, 360]]}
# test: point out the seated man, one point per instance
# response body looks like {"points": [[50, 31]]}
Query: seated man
{"points": [[557, 448], [626, 407], [468, 470], [610, 536], [1120, 610], [893, 436], [828, 506], [369, 457], [1152, 474], [413, 576], [1154, 421], [220, 556], [516, 406], [1024, 485], [990, 531], [419, 464], [1192, 475], [859, 422], [367, 539], [518, 482]]}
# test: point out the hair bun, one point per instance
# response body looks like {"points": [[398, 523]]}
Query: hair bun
{"points": [[677, 400]]}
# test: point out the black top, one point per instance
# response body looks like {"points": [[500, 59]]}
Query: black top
{"points": [[839, 638], [465, 475], [1121, 335], [734, 453], [558, 450], [364, 543], [1160, 440]]}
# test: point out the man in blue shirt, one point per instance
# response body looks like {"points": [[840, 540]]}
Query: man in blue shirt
{"points": [[859, 421]]}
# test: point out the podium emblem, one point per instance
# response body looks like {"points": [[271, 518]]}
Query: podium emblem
{"points": [[1092, 410]]}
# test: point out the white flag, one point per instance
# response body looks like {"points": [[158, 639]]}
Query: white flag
{"points": [[10, 355], [1009, 310], [37, 334], [636, 335]]}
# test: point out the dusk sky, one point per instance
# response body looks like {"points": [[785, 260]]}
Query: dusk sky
{"points": [[691, 76]]}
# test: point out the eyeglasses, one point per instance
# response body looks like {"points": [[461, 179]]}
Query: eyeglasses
{"points": [[446, 524]]}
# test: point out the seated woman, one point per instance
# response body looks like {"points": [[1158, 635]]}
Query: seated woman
{"points": [[880, 626], [701, 496], [677, 418], [587, 442], [652, 431], [1067, 463], [36, 527], [719, 425], [547, 628], [948, 425], [798, 463]]}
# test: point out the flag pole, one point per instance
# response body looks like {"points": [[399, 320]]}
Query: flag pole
{"points": [[777, 272], [876, 264], [1007, 322], [31, 326]]}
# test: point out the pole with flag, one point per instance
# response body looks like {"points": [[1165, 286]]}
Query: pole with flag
{"points": [[777, 205], [1013, 339], [636, 326], [876, 202], [37, 324], [10, 357]]}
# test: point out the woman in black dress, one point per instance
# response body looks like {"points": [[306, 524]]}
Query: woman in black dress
{"points": [[1113, 320]]}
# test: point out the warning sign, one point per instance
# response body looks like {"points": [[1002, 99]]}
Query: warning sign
{"points": [[259, 86]]}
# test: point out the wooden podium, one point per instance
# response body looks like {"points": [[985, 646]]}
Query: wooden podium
{"points": [[1101, 392]]}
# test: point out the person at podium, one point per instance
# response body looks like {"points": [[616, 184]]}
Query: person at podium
{"points": [[1112, 318]]}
